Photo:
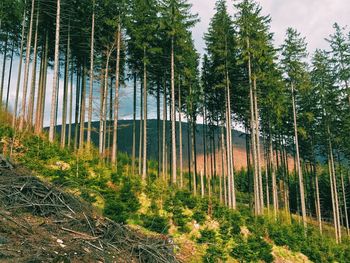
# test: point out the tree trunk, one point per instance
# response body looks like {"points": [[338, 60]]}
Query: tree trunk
{"points": [[82, 107], [258, 208], [256, 114], [103, 105], [273, 177], [43, 98], [173, 118], [32, 87], [318, 204], [26, 68], [141, 128], [91, 80], [134, 127], [116, 101], [180, 138], [65, 92], [3, 70], [164, 171], [144, 168], [70, 106], [19, 70], [300, 174], [55, 76], [77, 107], [9, 79]]}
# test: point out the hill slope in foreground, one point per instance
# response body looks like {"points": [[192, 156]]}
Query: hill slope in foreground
{"points": [[41, 223]]}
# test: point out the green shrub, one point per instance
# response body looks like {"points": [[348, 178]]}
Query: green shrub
{"points": [[181, 220], [186, 198], [199, 216], [214, 253], [156, 223], [208, 236], [253, 249]]}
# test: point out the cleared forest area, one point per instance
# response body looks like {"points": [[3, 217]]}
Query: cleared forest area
{"points": [[187, 172]]}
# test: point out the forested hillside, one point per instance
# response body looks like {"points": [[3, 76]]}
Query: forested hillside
{"points": [[284, 181]]}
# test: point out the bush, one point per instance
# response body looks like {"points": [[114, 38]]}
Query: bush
{"points": [[181, 220], [207, 236], [214, 253], [186, 198], [156, 223], [199, 216], [252, 250]]}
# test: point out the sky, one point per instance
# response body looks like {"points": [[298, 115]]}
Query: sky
{"points": [[312, 18]]}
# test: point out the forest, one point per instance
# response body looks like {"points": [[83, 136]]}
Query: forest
{"points": [[72, 59]]}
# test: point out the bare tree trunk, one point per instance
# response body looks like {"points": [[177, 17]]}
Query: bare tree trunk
{"points": [[202, 185], [70, 107], [164, 171], [134, 128], [55, 76], [318, 204], [273, 177], [82, 107], [344, 201], [91, 80], [3, 69], [116, 100], [173, 118], [300, 174], [104, 102], [77, 106], [334, 189], [194, 181], [144, 170], [32, 87], [43, 98], [9, 78], [257, 202], [19, 70], [26, 68], [141, 128], [261, 194], [65, 92], [224, 166], [180, 139]]}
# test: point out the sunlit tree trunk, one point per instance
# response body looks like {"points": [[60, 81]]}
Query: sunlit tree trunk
{"points": [[33, 82], [19, 70], [91, 79], [144, 168], [3, 69], [164, 171], [82, 107], [70, 106], [65, 92], [141, 128], [9, 78], [134, 128], [180, 139], [55, 76], [300, 174], [258, 154], [116, 101], [26, 67], [173, 117]]}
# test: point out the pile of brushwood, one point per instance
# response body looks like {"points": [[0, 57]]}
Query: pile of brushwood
{"points": [[42, 223]]}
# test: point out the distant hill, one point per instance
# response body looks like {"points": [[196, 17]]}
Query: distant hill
{"points": [[125, 129]]}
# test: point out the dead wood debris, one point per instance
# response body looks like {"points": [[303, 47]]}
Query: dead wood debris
{"points": [[28, 194]]}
